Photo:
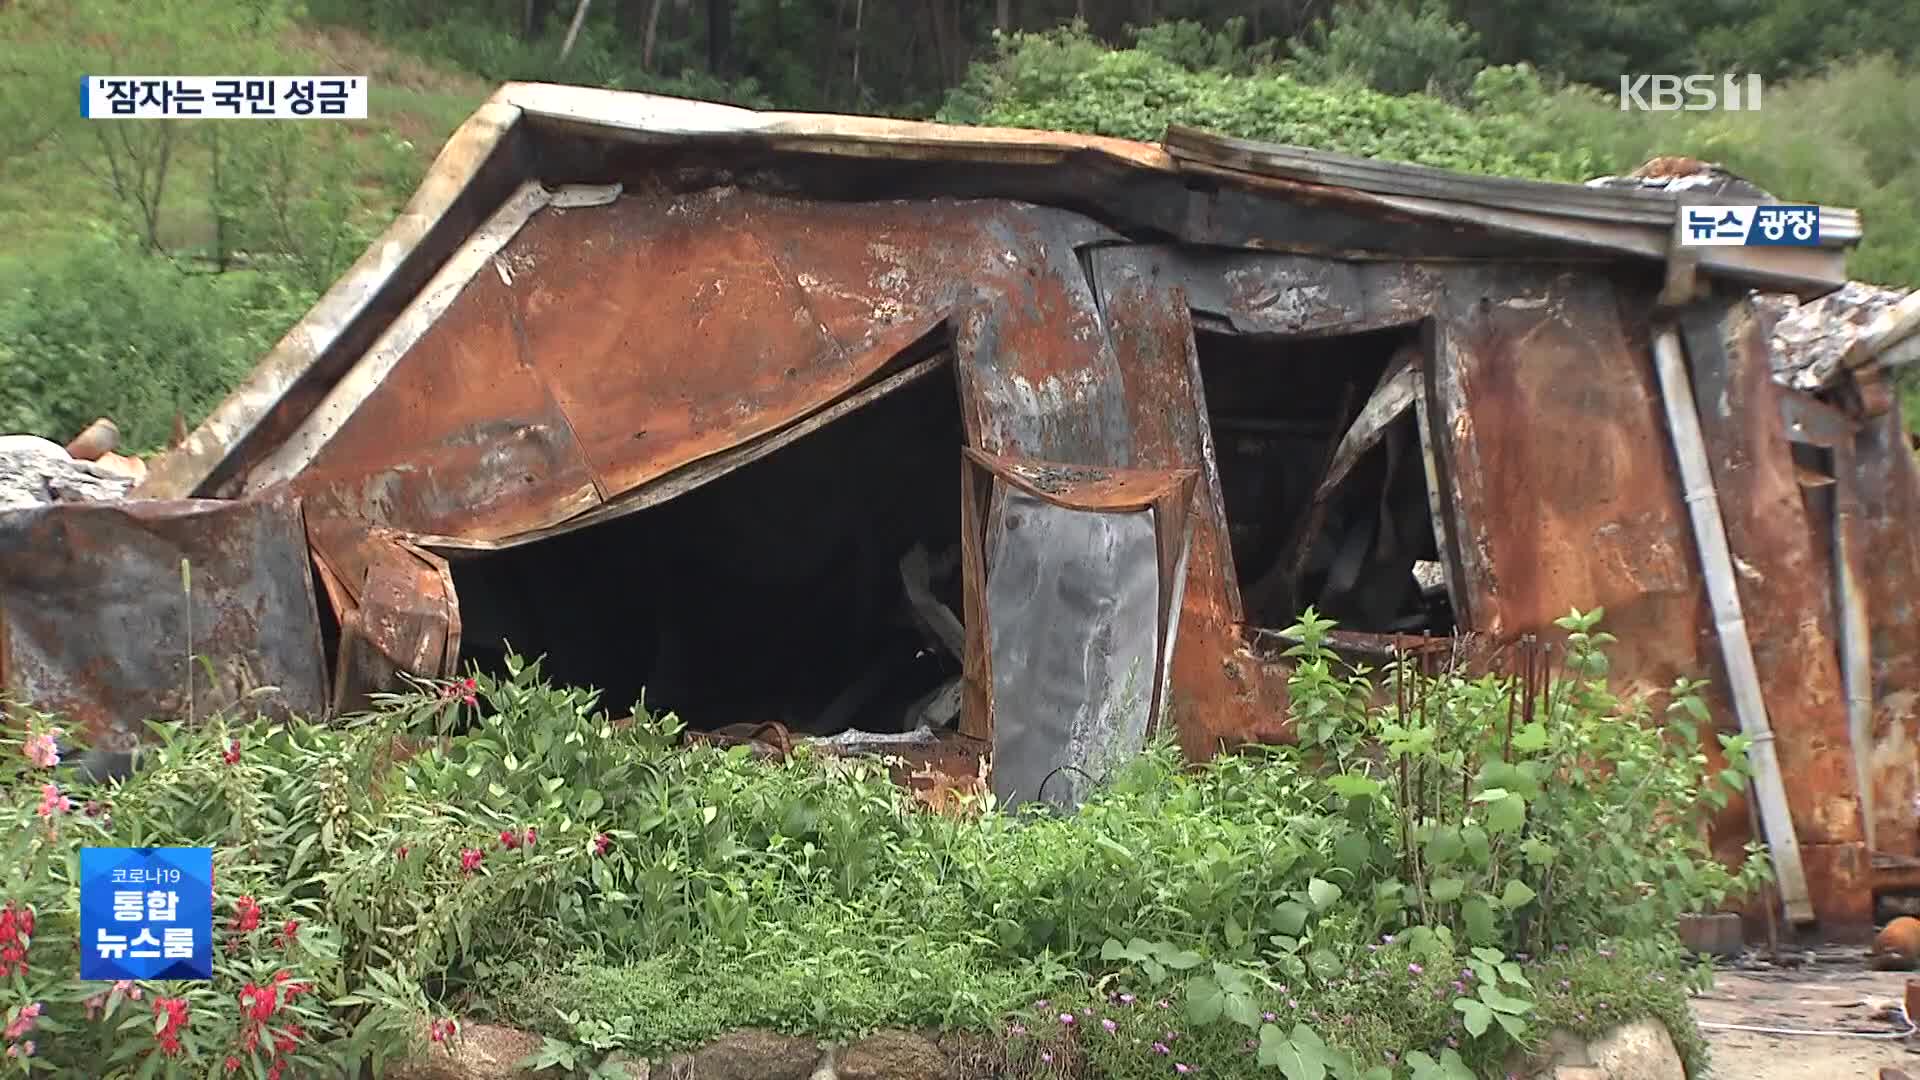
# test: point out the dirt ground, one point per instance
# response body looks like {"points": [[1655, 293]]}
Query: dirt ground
{"points": [[1831, 990]]}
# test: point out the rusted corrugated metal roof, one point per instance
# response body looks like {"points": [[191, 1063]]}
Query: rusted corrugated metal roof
{"points": [[499, 149]]}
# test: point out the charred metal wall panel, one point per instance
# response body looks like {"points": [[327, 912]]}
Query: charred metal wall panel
{"points": [[96, 623], [1888, 488], [1564, 493], [1074, 596], [1785, 596]]}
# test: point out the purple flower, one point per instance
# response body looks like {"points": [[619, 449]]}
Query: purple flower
{"points": [[1126, 999], [1386, 939], [1268, 1017], [1523, 957], [1565, 985], [1017, 1029], [1453, 1042], [1161, 1048], [1170, 1036], [1602, 1006], [1459, 987], [1559, 948], [1042, 1003], [1110, 1026], [1181, 1069], [1066, 1019], [1466, 973], [1047, 1058], [1163, 1003], [1414, 969], [1373, 948], [1606, 953]]}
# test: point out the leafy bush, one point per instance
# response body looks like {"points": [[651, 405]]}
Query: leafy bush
{"points": [[1066, 81], [1394, 46], [1401, 882], [103, 328]]}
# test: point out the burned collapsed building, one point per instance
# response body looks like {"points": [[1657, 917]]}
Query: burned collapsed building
{"points": [[864, 425]]}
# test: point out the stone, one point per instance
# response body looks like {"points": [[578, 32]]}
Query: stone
{"points": [[748, 1054], [123, 465], [101, 437], [1713, 935], [36, 471], [893, 1055], [1560, 1049], [1579, 1072], [478, 1052], [1642, 1050]]}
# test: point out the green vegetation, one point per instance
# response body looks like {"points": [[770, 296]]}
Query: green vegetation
{"points": [[1396, 897]]}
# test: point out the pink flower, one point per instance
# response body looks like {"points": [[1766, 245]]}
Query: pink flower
{"points": [[601, 843], [470, 859], [44, 749], [509, 839], [1414, 969], [1161, 1048], [1181, 1069], [1110, 1026], [231, 755], [1066, 1019], [528, 839], [52, 802], [1047, 1058], [1126, 999]]}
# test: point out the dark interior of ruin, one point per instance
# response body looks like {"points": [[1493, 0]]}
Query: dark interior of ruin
{"points": [[1279, 408], [776, 592]]}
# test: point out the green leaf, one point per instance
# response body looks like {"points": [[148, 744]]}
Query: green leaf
{"points": [[1353, 852], [1517, 894], [1478, 1017], [1291, 917], [1445, 846], [1324, 894], [1538, 852], [1478, 916], [591, 803], [1530, 738], [1447, 889], [1205, 1000], [1513, 1025], [1300, 1056], [1506, 814], [1354, 785]]}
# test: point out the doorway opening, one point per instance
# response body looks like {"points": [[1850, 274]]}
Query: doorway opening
{"points": [[1323, 479], [817, 586]]}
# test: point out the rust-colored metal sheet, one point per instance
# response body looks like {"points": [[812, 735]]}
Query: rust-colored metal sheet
{"points": [[1548, 417], [1887, 488], [97, 624], [605, 346], [1785, 597], [396, 607]]}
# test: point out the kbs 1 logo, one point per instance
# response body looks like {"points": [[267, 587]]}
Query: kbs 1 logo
{"points": [[1750, 226], [1689, 93], [223, 97]]}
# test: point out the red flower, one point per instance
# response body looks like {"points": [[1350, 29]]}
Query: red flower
{"points": [[509, 839], [258, 1002], [273, 1071], [601, 843], [470, 859], [294, 990], [442, 1030], [246, 914], [173, 1012], [466, 691], [529, 837], [284, 1043], [289, 932], [233, 1063], [232, 752]]}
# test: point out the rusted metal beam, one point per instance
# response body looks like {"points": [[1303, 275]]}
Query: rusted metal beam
{"points": [[1696, 472]]}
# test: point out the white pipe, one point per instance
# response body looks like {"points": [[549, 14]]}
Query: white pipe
{"points": [[1716, 564]]}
